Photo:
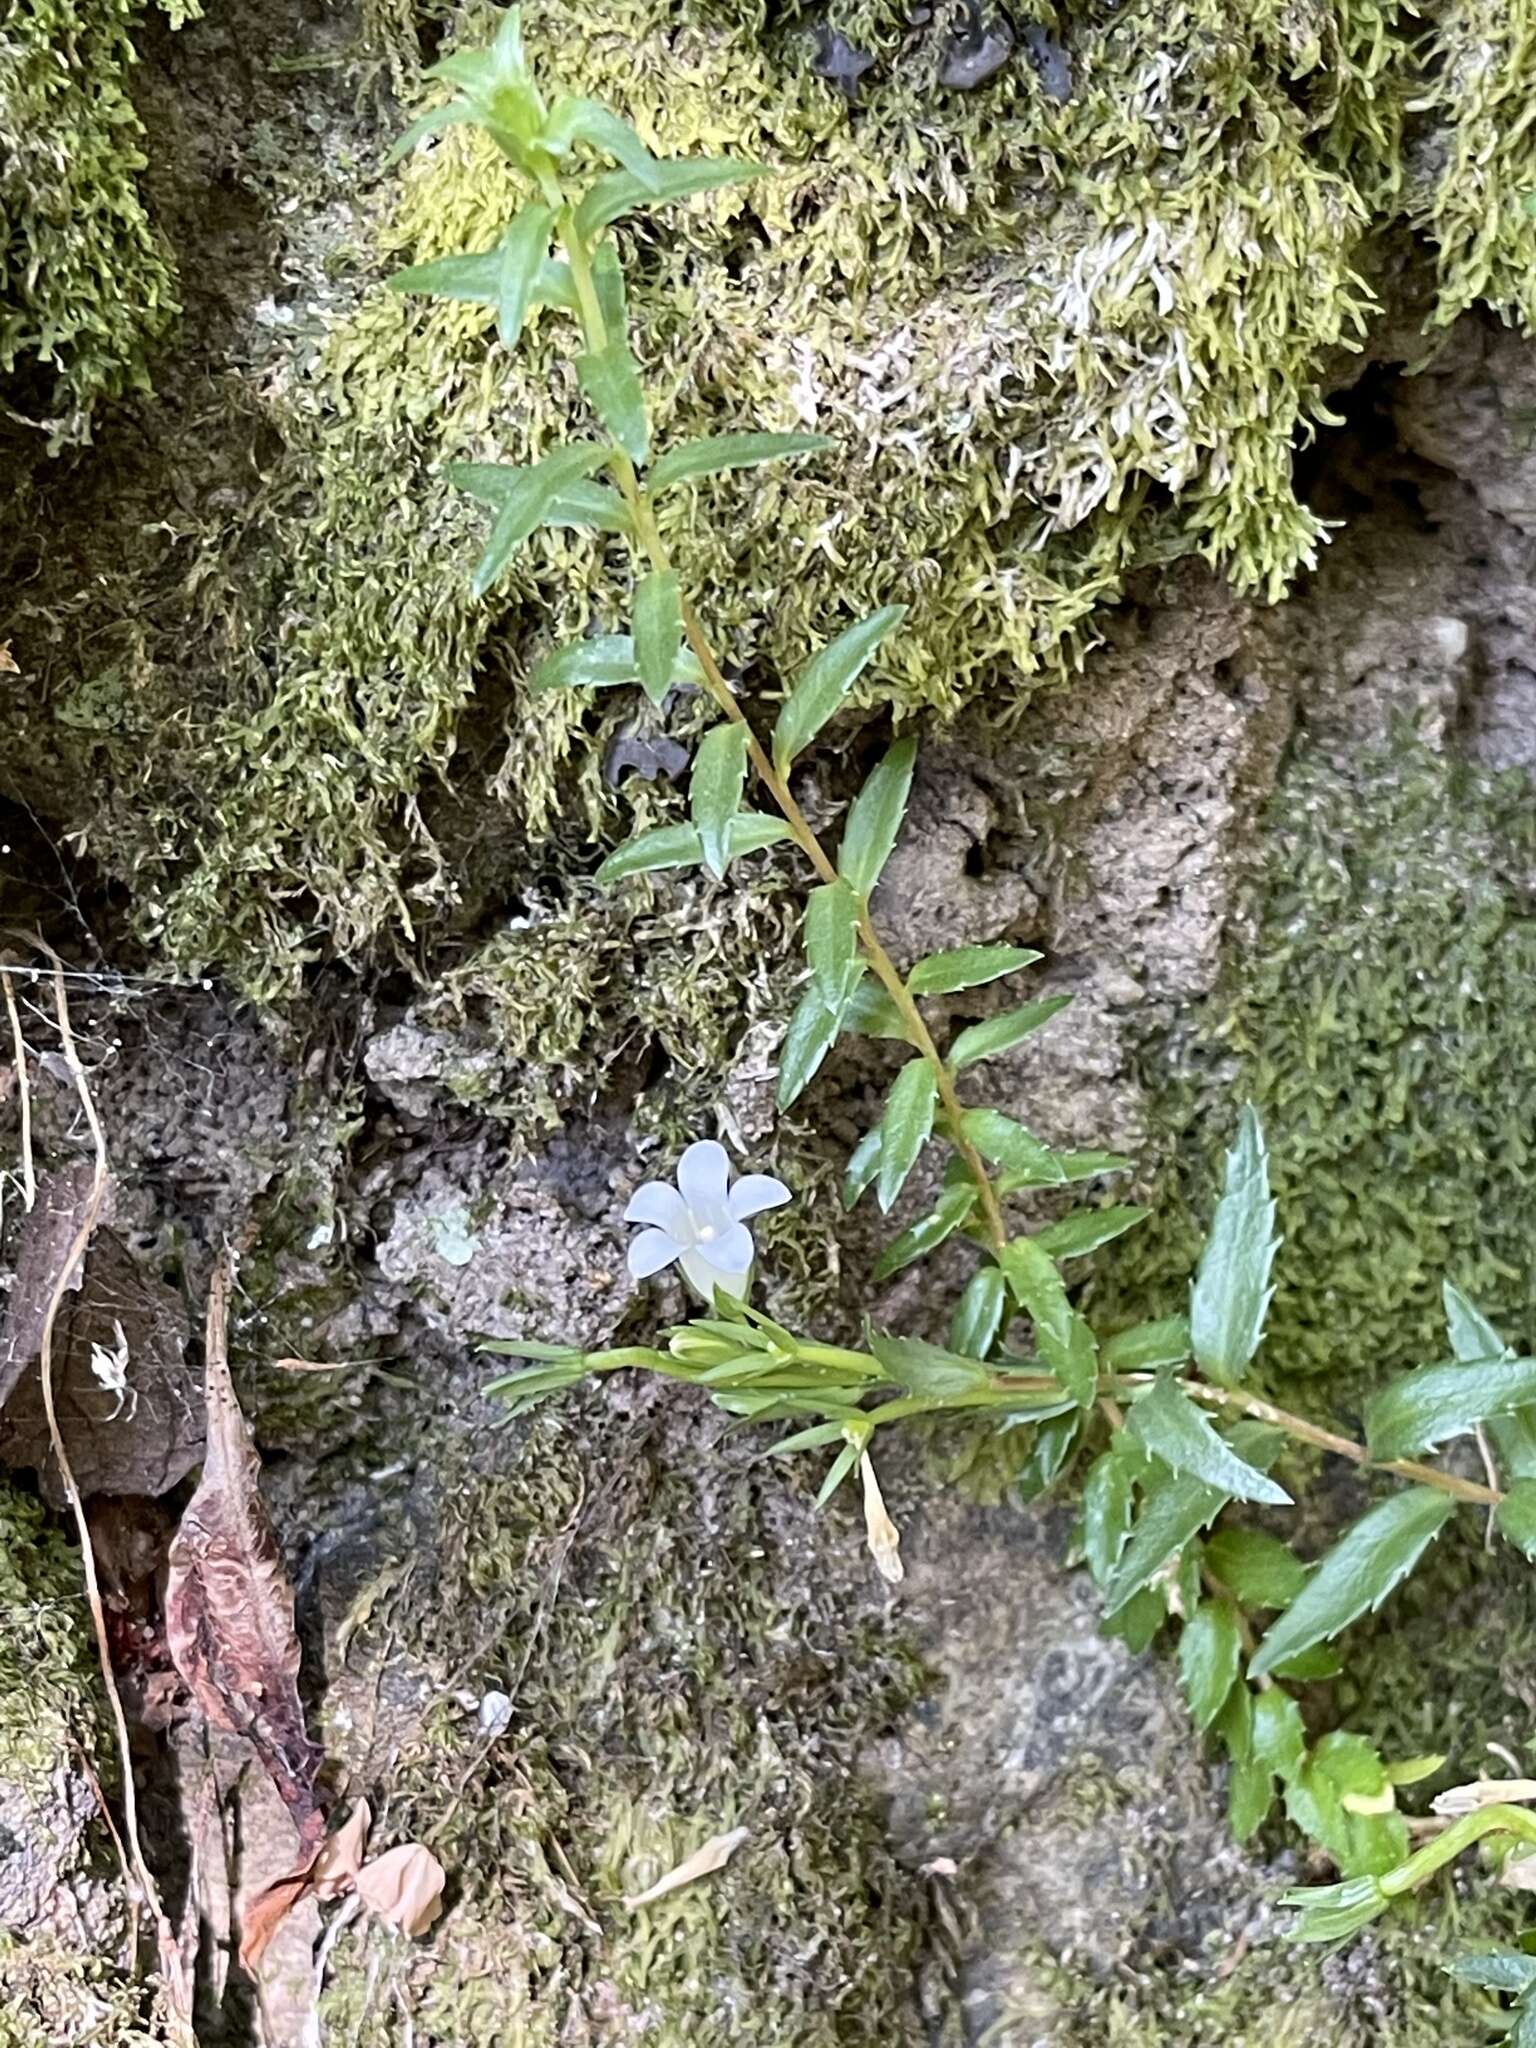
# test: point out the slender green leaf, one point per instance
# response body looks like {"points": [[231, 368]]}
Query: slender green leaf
{"points": [[473, 275], [1106, 1516], [600, 663], [1311, 1667], [719, 452], [840, 1467], [679, 846], [872, 1013], [811, 1035], [1176, 1510], [608, 283], [715, 787], [611, 380], [528, 497], [578, 120], [1474, 1338], [1279, 1738], [1001, 1034], [978, 1314], [812, 1439], [454, 114], [1356, 1576], [1250, 1795], [556, 286], [1257, 1569], [1091, 1165], [523, 249], [1515, 1516], [620, 192], [1210, 1650], [1065, 1341], [594, 505], [1173, 1429], [1074, 1236], [926, 1370], [1008, 1144], [906, 1126], [1231, 1292], [1334, 1912], [1425, 1408], [826, 680], [1499, 1969], [1146, 1346], [875, 819], [832, 941], [942, 974], [951, 1210], [863, 1165]]}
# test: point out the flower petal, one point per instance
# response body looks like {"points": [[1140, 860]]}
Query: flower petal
{"points": [[755, 1192], [657, 1201], [652, 1250], [703, 1174], [731, 1249], [705, 1278]]}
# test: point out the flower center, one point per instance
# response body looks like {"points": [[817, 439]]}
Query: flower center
{"points": [[707, 1233]]}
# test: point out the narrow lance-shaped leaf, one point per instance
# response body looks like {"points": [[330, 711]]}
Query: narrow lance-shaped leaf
{"points": [[1473, 1337], [926, 1370], [943, 974], [1006, 1143], [1210, 1650], [1426, 1408], [863, 1165], [1087, 1229], [1356, 1576], [1065, 1341], [611, 381], [608, 283], [658, 623], [832, 943], [679, 846], [714, 791], [1106, 1519], [1002, 1034], [811, 1035], [620, 192], [1257, 1569], [1515, 1516], [529, 494], [604, 661], [978, 1316], [719, 452], [906, 1126], [453, 115], [875, 818], [826, 680], [1176, 1510], [578, 120], [1173, 1429], [523, 250], [1231, 1292], [952, 1209]]}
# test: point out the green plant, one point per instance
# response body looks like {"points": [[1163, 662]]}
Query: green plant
{"points": [[1158, 1420]]}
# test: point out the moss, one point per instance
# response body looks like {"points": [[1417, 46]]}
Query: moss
{"points": [[675, 1673], [47, 1659], [86, 284]]}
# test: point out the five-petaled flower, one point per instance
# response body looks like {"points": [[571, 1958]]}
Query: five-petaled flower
{"points": [[702, 1221]]}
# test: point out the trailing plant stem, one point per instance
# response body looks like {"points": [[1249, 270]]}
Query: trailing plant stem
{"points": [[648, 537]]}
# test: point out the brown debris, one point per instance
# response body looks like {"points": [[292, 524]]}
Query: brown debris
{"points": [[404, 1886]]}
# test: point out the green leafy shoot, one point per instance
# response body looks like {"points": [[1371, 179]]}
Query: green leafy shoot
{"points": [[530, 492], [1173, 1429], [680, 846], [826, 680], [716, 453], [1002, 1034], [906, 1126], [1232, 1290], [715, 791]]}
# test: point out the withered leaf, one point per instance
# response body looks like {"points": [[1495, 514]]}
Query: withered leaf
{"points": [[404, 1886], [713, 1856], [228, 1601], [326, 1872]]}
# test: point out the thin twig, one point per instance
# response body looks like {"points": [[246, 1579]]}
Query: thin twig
{"points": [[174, 1976], [23, 1092]]}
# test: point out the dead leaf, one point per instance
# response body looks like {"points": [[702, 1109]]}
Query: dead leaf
{"points": [[714, 1855], [8, 663], [327, 1872], [228, 1602], [1459, 1799], [404, 1886], [1520, 1876], [883, 1536]]}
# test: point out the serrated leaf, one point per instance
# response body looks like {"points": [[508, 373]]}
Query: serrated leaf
{"points": [[528, 496], [1146, 1346], [978, 1314], [1090, 1165], [1210, 1650], [826, 680], [1500, 1969], [927, 1370], [714, 792], [1473, 1338], [873, 1013], [905, 1127], [1355, 1577], [832, 941], [1250, 1795], [952, 1209], [943, 974], [1175, 1511], [1173, 1429], [1231, 1292], [610, 377], [1365, 1838], [863, 1165], [1515, 1516], [1138, 1621], [1438, 1402], [1065, 1341], [717, 453], [1008, 1144], [1311, 1667], [811, 1035], [523, 249], [1001, 1034], [1279, 1738], [658, 628], [1257, 1569], [1074, 1236], [620, 192], [679, 846], [581, 120], [875, 819], [1106, 1514]]}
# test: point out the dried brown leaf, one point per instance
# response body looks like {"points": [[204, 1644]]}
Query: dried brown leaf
{"points": [[404, 1886], [714, 1855], [228, 1602], [327, 1872], [8, 662]]}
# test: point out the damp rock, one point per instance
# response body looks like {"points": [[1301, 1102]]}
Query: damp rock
{"points": [[840, 62], [977, 51]]}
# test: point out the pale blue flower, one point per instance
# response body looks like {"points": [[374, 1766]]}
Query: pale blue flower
{"points": [[702, 1221]]}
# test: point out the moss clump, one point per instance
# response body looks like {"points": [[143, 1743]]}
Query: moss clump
{"points": [[675, 1673], [47, 1660], [86, 284]]}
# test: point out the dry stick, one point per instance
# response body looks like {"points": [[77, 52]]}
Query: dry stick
{"points": [[174, 1974], [23, 1092]]}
